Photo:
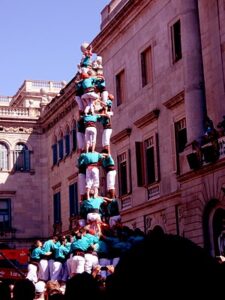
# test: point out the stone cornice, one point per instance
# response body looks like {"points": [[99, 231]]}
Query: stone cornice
{"points": [[58, 101], [49, 123], [121, 135], [58, 108], [147, 119], [118, 23], [175, 101]]}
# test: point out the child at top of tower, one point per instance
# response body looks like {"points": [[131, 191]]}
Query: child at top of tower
{"points": [[97, 66], [86, 60]]}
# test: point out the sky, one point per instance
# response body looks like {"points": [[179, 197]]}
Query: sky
{"points": [[40, 39]]}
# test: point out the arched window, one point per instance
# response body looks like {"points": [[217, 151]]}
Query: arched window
{"points": [[60, 146], [74, 136], [54, 152], [67, 141], [22, 157], [4, 157]]}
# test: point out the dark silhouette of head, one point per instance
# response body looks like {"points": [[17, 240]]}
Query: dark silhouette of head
{"points": [[82, 286], [24, 289], [166, 267], [5, 292]]}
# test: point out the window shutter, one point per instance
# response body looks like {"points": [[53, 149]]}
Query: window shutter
{"points": [[26, 154], [60, 149], [73, 198], [74, 138], [57, 208], [157, 156], [67, 142], [54, 154], [140, 163]]}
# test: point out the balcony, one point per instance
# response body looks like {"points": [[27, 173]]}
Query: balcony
{"points": [[20, 112], [205, 155]]}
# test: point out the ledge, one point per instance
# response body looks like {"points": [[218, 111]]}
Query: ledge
{"points": [[7, 192], [56, 186], [147, 119], [175, 101], [121, 135]]}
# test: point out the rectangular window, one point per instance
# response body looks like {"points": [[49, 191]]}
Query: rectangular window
{"points": [[180, 139], [146, 66], [60, 143], [147, 161], [67, 144], [73, 198], [140, 163], [3, 157], [181, 135], [120, 87], [54, 154], [122, 171], [74, 138], [57, 208], [150, 160], [22, 160], [5, 214], [176, 41]]}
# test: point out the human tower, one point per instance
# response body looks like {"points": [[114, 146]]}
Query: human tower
{"points": [[97, 241], [95, 105]]}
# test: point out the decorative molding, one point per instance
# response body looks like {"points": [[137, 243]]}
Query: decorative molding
{"points": [[17, 130], [175, 101], [7, 192], [73, 176], [121, 135], [56, 186], [147, 119], [20, 130], [59, 116]]}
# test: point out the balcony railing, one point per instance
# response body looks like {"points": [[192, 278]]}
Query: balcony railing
{"points": [[6, 99], [20, 112], [206, 154], [17, 112]]}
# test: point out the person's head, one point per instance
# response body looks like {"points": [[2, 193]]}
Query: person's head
{"points": [[5, 291], [24, 289], [82, 286], [163, 265], [40, 287], [55, 238], [38, 243], [111, 97], [53, 287]]}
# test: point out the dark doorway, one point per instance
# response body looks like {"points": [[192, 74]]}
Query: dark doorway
{"points": [[218, 227]]}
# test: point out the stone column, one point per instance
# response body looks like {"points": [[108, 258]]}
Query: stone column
{"points": [[193, 70]]}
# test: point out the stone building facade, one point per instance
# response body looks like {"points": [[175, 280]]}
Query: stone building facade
{"points": [[164, 61], [37, 121]]}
